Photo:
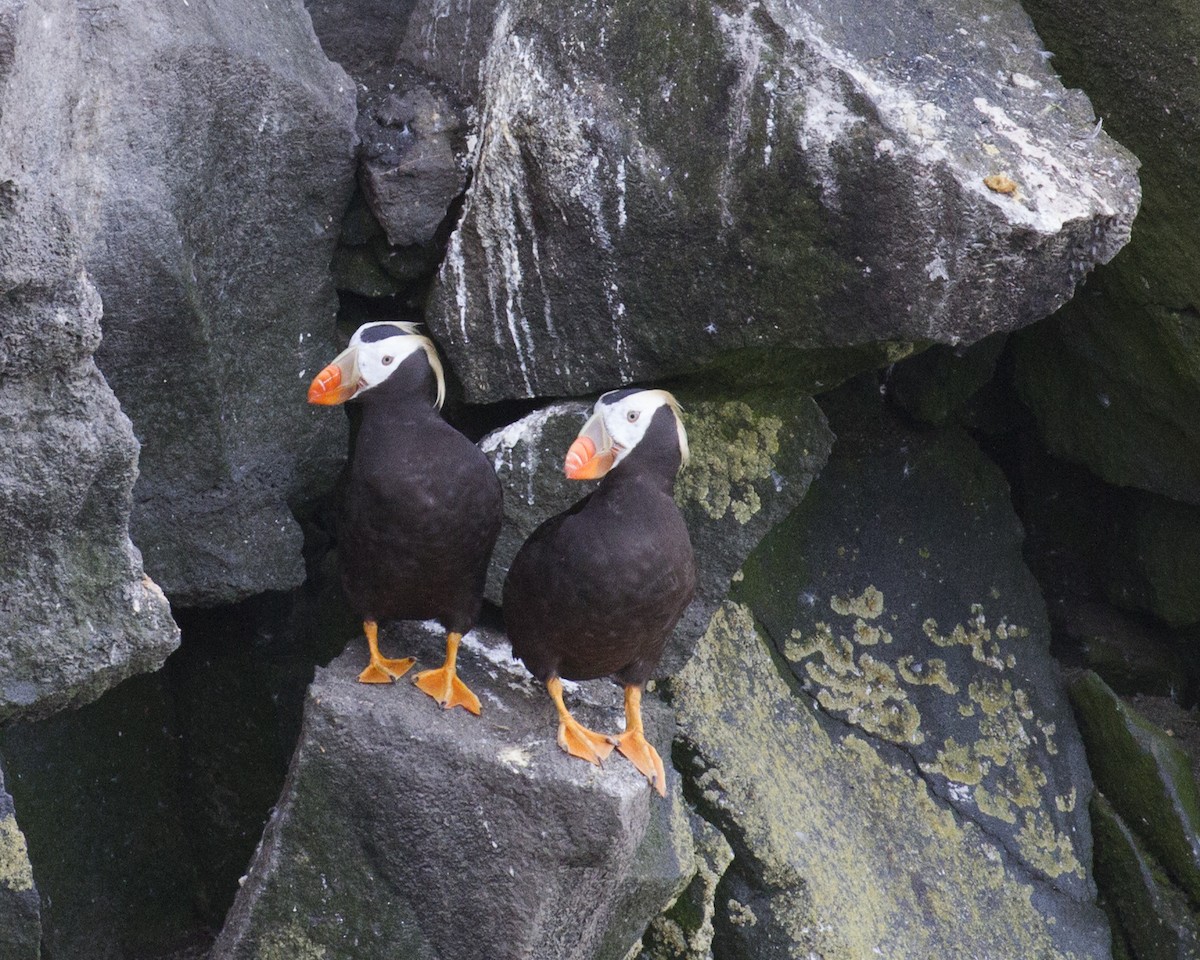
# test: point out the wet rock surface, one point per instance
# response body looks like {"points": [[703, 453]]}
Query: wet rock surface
{"points": [[403, 828]]}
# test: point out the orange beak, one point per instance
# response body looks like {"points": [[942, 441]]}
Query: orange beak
{"points": [[591, 455], [338, 382]]}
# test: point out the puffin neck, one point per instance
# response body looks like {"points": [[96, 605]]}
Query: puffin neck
{"points": [[655, 460]]}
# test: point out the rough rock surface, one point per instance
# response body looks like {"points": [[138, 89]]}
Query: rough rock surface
{"points": [[752, 459], [20, 916], [602, 241], [898, 596], [406, 831], [1115, 379], [78, 613], [1147, 778], [842, 849], [208, 223]]}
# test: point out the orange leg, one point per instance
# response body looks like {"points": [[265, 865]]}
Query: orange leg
{"points": [[573, 736], [443, 684], [381, 669], [634, 745]]}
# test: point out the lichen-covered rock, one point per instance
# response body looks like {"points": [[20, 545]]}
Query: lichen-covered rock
{"points": [[407, 831], [1146, 777], [211, 159], [1114, 380], [685, 930], [763, 187], [79, 614], [842, 848], [20, 916], [898, 596], [752, 459]]}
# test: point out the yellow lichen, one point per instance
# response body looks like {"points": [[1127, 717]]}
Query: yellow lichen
{"points": [[16, 873], [732, 449], [929, 673], [837, 831], [868, 605]]}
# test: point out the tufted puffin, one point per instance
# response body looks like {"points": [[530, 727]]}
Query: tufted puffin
{"points": [[422, 506], [597, 590]]}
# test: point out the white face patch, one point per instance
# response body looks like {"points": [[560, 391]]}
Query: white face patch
{"points": [[627, 420], [376, 360]]}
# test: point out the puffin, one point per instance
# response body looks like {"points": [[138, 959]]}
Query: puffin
{"points": [[597, 590], [422, 505]]}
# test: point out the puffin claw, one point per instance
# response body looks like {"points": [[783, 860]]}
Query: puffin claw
{"points": [[447, 689], [579, 741], [383, 670], [634, 746]]}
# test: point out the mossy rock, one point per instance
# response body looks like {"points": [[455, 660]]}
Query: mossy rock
{"points": [[1151, 914], [1146, 777]]}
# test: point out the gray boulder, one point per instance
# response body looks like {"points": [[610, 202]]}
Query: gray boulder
{"points": [[756, 191], [212, 157], [752, 459], [79, 614], [407, 831]]}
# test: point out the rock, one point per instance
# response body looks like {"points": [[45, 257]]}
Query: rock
{"points": [[752, 459], [937, 385], [1115, 378], [406, 831], [1154, 568], [79, 614], [413, 158], [1146, 777], [208, 223], [897, 596], [1126, 653], [756, 193], [842, 848], [100, 798], [20, 916], [685, 930], [1153, 915]]}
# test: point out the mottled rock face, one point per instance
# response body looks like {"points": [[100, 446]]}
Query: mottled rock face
{"points": [[898, 597], [208, 224], [78, 612], [406, 830], [751, 461], [651, 192], [842, 850]]}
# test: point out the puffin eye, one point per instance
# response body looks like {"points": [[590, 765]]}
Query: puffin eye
{"points": [[387, 360], [632, 415]]}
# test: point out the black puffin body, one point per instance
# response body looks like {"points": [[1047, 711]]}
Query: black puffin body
{"points": [[597, 590], [422, 507]]}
